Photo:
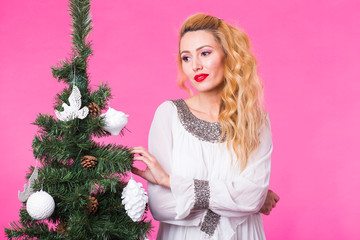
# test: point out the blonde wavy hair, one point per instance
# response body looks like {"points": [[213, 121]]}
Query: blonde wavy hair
{"points": [[241, 112]]}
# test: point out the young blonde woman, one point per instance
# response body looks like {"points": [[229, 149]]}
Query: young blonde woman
{"points": [[208, 164]]}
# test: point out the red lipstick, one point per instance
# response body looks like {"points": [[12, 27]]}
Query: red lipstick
{"points": [[201, 77]]}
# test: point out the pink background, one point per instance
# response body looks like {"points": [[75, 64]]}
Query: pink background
{"points": [[308, 53]]}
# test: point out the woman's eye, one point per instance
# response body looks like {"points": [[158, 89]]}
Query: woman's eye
{"points": [[185, 58], [205, 53]]}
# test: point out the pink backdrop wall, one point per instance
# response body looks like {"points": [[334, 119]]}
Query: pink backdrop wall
{"points": [[308, 53]]}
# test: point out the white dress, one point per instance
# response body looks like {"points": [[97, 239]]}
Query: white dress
{"points": [[208, 197]]}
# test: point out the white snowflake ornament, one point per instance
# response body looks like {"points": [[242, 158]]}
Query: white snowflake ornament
{"points": [[40, 205], [134, 198], [115, 121], [73, 111]]}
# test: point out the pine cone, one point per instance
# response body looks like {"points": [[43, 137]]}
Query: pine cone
{"points": [[94, 109], [89, 161], [61, 228], [93, 205]]}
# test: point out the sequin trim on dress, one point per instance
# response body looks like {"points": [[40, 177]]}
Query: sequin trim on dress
{"points": [[211, 220], [201, 129], [202, 194]]}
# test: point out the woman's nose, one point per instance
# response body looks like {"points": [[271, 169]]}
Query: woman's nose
{"points": [[196, 65]]}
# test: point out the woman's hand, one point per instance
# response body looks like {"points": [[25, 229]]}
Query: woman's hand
{"points": [[153, 173], [270, 202]]}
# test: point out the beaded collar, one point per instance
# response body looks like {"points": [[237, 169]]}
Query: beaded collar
{"points": [[203, 130]]}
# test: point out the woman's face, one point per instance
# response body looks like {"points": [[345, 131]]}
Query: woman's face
{"points": [[203, 60]]}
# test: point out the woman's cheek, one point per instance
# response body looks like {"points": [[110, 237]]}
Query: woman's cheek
{"points": [[187, 74]]}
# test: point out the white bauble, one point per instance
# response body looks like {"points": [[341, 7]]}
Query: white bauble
{"points": [[135, 199], [114, 120], [40, 205]]}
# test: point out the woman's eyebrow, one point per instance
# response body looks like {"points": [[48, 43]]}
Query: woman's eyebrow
{"points": [[186, 51]]}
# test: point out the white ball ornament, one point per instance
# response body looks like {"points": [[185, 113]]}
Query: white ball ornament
{"points": [[115, 121], [135, 199], [40, 205]]}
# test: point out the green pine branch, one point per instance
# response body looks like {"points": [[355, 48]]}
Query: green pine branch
{"points": [[112, 158], [47, 124], [81, 47], [81, 20], [101, 96], [29, 228]]}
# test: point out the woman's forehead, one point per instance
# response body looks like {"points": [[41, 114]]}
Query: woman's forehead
{"points": [[196, 39]]}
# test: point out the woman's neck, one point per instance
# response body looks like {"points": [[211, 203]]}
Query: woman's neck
{"points": [[205, 106]]}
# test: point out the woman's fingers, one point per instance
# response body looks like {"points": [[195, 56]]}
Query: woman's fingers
{"points": [[270, 202], [154, 172], [137, 171], [266, 212], [143, 156], [143, 159], [142, 151], [140, 148], [144, 174], [274, 195], [277, 198]]}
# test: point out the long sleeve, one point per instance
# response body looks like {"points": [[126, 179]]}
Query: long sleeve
{"points": [[237, 198], [161, 200], [246, 194]]}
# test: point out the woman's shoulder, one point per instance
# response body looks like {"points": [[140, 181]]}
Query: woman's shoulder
{"points": [[167, 107], [175, 107]]}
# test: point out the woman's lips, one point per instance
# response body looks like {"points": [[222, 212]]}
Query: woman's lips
{"points": [[200, 77]]}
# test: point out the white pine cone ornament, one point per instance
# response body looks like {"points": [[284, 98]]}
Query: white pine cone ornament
{"points": [[40, 205], [134, 198]]}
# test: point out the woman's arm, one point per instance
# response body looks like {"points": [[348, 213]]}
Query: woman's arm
{"points": [[158, 161], [241, 197]]}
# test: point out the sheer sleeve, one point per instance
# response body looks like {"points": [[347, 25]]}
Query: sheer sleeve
{"points": [[238, 198], [161, 200]]}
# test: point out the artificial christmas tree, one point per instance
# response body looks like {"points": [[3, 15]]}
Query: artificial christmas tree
{"points": [[84, 178]]}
